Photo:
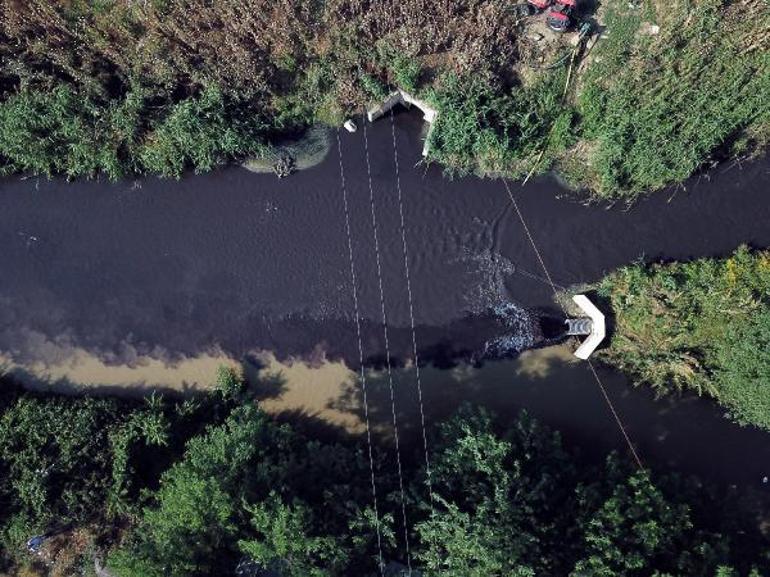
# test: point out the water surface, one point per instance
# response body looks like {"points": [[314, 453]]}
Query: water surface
{"points": [[226, 263]]}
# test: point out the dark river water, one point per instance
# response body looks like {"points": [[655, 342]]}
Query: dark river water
{"points": [[238, 261]]}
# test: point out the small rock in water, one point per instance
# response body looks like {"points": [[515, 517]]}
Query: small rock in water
{"points": [[284, 166]]}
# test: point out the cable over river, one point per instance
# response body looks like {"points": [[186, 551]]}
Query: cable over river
{"points": [[157, 272]]}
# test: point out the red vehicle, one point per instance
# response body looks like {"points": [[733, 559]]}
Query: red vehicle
{"points": [[560, 15], [540, 4]]}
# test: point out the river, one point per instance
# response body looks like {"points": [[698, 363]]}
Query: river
{"points": [[164, 273]]}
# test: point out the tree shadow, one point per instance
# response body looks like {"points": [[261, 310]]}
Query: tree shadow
{"points": [[504, 387], [259, 384], [312, 425], [37, 383]]}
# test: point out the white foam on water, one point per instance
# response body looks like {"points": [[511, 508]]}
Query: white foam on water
{"points": [[490, 268], [489, 295], [519, 335]]}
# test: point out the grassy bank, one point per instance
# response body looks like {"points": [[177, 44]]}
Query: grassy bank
{"points": [[123, 88], [162, 488], [657, 106], [702, 326]]}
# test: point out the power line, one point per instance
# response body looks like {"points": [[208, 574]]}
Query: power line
{"points": [[360, 355], [534, 246], [556, 294], [387, 348], [411, 309], [534, 276], [615, 414]]}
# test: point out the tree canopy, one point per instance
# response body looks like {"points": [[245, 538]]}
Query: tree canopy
{"points": [[161, 495]]}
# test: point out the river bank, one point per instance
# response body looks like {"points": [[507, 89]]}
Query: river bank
{"points": [[220, 83], [549, 383], [140, 474]]}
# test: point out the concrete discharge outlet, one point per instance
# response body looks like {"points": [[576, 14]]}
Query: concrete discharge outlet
{"points": [[593, 326], [398, 96]]}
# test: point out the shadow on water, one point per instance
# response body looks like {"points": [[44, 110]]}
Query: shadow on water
{"points": [[314, 426], [63, 385], [261, 385], [685, 434], [682, 434]]}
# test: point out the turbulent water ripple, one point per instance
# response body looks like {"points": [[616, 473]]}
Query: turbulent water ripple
{"points": [[519, 335]]}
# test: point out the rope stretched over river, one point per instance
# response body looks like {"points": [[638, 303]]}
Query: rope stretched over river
{"points": [[539, 256]]}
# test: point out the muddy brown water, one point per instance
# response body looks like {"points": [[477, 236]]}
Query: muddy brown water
{"points": [[677, 434], [162, 274]]}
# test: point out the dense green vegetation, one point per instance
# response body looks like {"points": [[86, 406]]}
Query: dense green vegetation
{"points": [[120, 87], [500, 131], [702, 326], [123, 87], [162, 488], [60, 133], [655, 107]]}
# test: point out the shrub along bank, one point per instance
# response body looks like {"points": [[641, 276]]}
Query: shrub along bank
{"points": [[702, 326], [160, 87], [197, 488]]}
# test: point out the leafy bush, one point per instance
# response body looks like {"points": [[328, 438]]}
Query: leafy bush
{"points": [[374, 87], [486, 129], [701, 326], [58, 456], [742, 370], [59, 132], [403, 69], [199, 132], [73, 462], [406, 72]]}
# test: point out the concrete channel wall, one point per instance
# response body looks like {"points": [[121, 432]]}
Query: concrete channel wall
{"points": [[398, 96]]}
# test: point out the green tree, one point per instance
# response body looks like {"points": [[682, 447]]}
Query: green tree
{"points": [[508, 500], [455, 543], [192, 530], [629, 528], [284, 540], [230, 383], [224, 498], [495, 497]]}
